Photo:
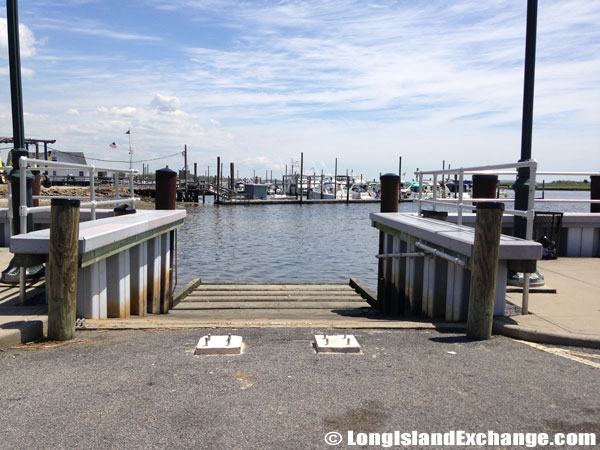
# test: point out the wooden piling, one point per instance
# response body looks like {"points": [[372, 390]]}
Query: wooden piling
{"points": [[232, 173], [335, 181], [486, 250], [166, 180], [218, 181], [595, 193], [301, 173], [62, 268], [321, 183], [36, 187], [347, 188]]}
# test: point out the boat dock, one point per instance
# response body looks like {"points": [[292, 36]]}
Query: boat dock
{"points": [[271, 305], [570, 316]]}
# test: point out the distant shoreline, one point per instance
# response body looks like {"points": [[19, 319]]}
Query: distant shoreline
{"points": [[562, 189]]}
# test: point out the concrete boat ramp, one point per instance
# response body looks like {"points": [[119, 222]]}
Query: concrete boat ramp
{"points": [[330, 305]]}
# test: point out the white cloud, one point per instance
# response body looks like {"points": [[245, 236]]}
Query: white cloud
{"points": [[165, 103], [116, 111], [73, 111], [26, 40]]}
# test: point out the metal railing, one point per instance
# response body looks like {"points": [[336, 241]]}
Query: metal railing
{"points": [[42, 164], [459, 202], [529, 214]]}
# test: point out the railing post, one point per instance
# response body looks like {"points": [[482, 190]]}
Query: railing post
{"points": [[131, 189], [92, 172], [486, 250], [461, 188], [434, 191], [420, 178], [62, 268], [390, 184]]}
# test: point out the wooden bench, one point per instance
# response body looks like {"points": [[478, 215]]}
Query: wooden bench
{"points": [[435, 285], [124, 262]]}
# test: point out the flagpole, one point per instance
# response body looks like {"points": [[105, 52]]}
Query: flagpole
{"points": [[130, 152]]}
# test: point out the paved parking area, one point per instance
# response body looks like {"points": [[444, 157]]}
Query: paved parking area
{"points": [[134, 389]]}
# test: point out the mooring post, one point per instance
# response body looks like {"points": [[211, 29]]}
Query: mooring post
{"points": [[335, 181], [390, 184], [486, 250], [218, 180], [347, 188], [485, 269], [595, 193], [62, 268], [301, 173], [36, 187], [166, 191]]}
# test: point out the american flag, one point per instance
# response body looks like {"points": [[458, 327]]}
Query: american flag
{"points": [[113, 145]]}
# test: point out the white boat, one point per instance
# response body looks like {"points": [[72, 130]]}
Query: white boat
{"points": [[328, 191], [361, 191]]}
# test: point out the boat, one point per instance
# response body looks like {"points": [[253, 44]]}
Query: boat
{"points": [[331, 190], [361, 190]]}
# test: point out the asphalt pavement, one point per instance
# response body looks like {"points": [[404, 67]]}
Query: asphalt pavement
{"points": [[146, 389]]}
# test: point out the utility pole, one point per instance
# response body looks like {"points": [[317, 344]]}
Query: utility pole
{"points": [[400, 168], [20, 225], [521, 185], [185, 170], [335, 181]]}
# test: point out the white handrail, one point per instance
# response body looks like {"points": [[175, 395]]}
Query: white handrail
{"points": [[497, 170], [91, 169], [460, 203], [490, 169]]}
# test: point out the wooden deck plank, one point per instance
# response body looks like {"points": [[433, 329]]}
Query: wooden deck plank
{"points": [[270, 305], [258, 297], [283, 293], [272, 287]]}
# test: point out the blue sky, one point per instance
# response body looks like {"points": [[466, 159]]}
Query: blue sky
{"points": [[258, 82]]}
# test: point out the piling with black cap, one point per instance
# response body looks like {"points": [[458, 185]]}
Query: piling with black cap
{"points": [[166, 192], [166, 188], [123, 210], [484, 186], [62, 268], [595, 193], [486, 250], [390, 188]]}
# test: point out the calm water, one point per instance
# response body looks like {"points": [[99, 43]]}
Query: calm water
{"points": [[293, 243]]}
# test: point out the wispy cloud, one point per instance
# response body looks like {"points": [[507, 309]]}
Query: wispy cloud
{"points": [[92, 28]]}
